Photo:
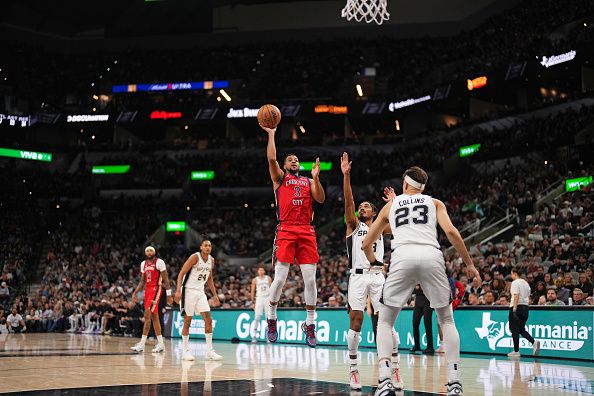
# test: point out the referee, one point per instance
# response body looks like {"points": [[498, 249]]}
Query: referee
{"points": [[518, 313]]}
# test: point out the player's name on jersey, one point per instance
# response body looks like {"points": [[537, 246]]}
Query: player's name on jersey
{"points": [[409, 201], [300, 182]]}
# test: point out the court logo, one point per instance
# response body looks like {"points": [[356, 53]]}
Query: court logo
{"points": [[570, 337]]}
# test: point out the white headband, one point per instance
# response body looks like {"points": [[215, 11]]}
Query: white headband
{"points": [[413, 183], [150, 248]]}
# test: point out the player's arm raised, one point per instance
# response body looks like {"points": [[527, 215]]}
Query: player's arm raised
{"points": [[139, 287], [276, 173], [211, 286], [376, 229], [190, 262], [349, 201], [453, 235], [317, 191]]}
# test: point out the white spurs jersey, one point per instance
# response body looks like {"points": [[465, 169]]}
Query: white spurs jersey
{"points": [[262, 286], [357, 258], [198, 275], [413, 221]]}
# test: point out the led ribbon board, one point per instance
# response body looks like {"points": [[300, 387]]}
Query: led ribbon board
{"points": [[467, 151], [176, 226], [110, 169], [26, 155], [203, 175], [324, 166], [577, 183], [178, 86]]}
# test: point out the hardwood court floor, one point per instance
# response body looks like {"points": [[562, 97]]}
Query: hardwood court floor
{"points": [[81, 364]]}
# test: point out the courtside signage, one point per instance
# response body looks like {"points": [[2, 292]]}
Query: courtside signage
{"points": [[177, 86], [408, 102], [563, 334], [246, 112], [110, 169], [331, 109], [324, 166], [577, 183], [15, 120], [466, 151], [165, 115], [26, 155], [557, 59], [87, 118], [176, 226], [203, 175]]}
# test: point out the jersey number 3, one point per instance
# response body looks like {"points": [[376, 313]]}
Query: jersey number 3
{"points": [[420, 212]]}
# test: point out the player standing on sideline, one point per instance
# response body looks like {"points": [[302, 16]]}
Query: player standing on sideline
{"points": [[365, 281], [196, 271], [416, 258], [295, 240], [259, 295], [153, 274]]}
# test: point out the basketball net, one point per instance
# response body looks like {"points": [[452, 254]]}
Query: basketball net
{"points": [[367, 10]]}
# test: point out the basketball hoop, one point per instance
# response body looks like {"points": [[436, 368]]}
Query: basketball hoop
{"points": [[367, 10]]}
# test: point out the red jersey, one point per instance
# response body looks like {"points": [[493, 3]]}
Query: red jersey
{"points": [[294, 204], [152, 271]]}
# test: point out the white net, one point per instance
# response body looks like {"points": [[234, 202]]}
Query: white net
{"points": [[366, 10]]}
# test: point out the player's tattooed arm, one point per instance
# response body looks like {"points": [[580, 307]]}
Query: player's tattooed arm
{"points": [[191, 261], [349, 201], [317, 191], [276, 173], [375, 231], [211, 286], [167, 284], [139, 287]]}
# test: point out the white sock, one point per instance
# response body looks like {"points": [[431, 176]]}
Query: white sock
{"points": [[159, 339], [451, 341], [143, 339], [385, 369], [353, 345], [208, 341], [395, 355], [309, 319], [186, 342], [272, 311], [385, 325]]}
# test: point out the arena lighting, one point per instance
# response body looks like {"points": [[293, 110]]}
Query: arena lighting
{"points": [[26, 155], [110, 169], [467, 151], [324, 166], [408, 102], [476, 83], [165, 115], [331, 109], [176, 226], [87, 118], [577, 183], [301, 128], [95, 97], [15, 120], [225, 95], [359, 90], [557, 59], [178, 86], [202, 175]]}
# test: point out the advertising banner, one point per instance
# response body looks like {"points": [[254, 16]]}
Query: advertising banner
{"points": [[562, 333]]}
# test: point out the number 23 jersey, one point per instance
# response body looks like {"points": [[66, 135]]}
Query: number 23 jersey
{"points": [[198, 275], [413, 220]]}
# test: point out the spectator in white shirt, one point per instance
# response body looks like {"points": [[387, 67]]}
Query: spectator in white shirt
{"points": [[15, 322]]}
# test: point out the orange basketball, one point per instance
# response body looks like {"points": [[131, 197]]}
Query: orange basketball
{"points": [[269, 116]]}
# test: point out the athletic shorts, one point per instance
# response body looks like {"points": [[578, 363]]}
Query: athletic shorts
{"points": [[363, 285], [260, 307], [152, 295], [295, 244], [413, 264], [194, 301]]}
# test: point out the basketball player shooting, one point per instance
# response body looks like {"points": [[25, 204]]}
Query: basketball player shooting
{"points": [[295, 240], [196, 271], [365, 281], [153, 274], [416, 258]]}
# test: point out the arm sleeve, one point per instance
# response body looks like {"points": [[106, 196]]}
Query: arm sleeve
{"points": [[161, 265]]}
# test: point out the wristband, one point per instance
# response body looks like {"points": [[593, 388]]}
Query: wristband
{"points": [[168, 292]]}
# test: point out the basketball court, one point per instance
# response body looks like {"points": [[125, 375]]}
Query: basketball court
{"points": [[81, 365]]}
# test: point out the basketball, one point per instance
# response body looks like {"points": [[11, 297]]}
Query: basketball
{"points": [[269, 116]]}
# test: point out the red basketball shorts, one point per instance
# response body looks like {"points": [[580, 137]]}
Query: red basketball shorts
{"points": [[295, 244], [152, 295]]}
